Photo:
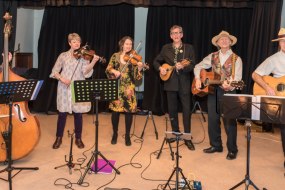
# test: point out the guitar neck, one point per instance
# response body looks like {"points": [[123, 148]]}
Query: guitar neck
{"points": [[212, 82]]}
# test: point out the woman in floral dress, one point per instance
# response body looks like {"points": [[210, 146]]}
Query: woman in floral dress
{"points": [[126, 73]]}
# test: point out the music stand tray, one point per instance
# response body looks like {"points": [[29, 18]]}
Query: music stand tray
{"points": [[16, 91], [250, 107], [93, 91]]}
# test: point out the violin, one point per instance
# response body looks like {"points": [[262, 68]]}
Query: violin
{"points": [[133, 58], [87, 54]]}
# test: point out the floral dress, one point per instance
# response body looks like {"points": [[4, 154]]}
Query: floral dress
{"points": [[127, 99]]}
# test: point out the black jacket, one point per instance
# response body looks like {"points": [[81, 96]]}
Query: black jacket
{"points": [[181, 78]]}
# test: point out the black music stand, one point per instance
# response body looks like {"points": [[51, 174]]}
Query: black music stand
{"points": [[177, 136], [249, 107], [10, 92], [165, 140], [90, 91], [150, 116]]}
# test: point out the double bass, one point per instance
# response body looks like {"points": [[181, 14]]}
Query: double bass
{"points": [[25, 127]]}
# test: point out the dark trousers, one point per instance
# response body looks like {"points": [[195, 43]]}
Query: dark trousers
{"points": [[61, 121], [172, 101], [214, 123], [128, 122]]}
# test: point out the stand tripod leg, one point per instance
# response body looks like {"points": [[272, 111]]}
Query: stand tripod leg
{"points": [[171, 151], [147, 118], [158, 155], [247, 180], [109, 163], [199, 107], [80, 181], [184, 178], [168, 181], [155, 130], [160, 151]]}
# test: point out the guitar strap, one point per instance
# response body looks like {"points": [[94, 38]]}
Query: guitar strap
{"points": [[234, 59]]}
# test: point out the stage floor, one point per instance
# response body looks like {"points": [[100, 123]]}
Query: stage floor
{"points": [[138, 165]]}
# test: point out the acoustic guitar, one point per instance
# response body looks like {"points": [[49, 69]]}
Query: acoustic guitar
{"points": [[278, 84], [169, 69], [207, 79]]}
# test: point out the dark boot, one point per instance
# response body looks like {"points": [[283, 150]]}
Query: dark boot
{"points": [[79, 143], [114, 138], [57, 143], [128, 140]]}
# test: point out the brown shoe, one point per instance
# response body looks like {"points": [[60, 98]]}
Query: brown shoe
{"points": [[57, 143], [79, 143]]}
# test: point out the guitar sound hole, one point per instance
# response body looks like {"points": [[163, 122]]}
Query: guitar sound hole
{"points": [[280, 87]]}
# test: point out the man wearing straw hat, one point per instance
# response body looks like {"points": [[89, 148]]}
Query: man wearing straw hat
{"points": [[275, 65], [228, 66]]}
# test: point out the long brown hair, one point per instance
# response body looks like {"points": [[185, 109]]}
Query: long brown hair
{"points": [[122, 41]]}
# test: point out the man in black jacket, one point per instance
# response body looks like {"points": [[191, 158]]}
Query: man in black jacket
{"points": [[180, 59]]}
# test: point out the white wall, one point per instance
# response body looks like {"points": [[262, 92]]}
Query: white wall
{"points": [[283, 15], [28, 29], [140, 35]]}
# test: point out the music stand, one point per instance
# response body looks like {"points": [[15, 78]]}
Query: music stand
{"points": [[249, 107], [177, 136], [90, 91], [16, 91]]}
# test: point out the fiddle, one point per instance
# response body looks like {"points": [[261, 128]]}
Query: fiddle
{"points": [[133, 58], [87, 54]]}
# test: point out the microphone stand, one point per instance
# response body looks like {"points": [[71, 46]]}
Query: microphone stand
{"points": [[69, 163]]}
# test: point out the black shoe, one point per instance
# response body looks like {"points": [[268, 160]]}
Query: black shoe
{"points": [[231, 155], [79, 143], [189, 144], [114, 139], [213, 149], [57, 143], [128, 140], [171, 140]]}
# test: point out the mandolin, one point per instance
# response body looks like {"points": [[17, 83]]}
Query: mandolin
{"points": [[169, 69]]}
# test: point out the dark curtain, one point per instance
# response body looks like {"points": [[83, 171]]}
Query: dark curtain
{"points": [[11, 7], [100, 27], [199, 26], [184, 3], [264, 27]]}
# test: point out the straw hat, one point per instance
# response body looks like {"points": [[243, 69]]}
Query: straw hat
{"points": [[224, 34], [281, 35]]}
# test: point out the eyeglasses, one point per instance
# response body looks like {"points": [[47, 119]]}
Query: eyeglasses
{"points": [[176, 33]]}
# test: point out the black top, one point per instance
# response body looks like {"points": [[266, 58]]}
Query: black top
{"points": [[181, 78]]}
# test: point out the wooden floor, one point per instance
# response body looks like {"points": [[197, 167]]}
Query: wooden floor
{"points": [[138, 164]]}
